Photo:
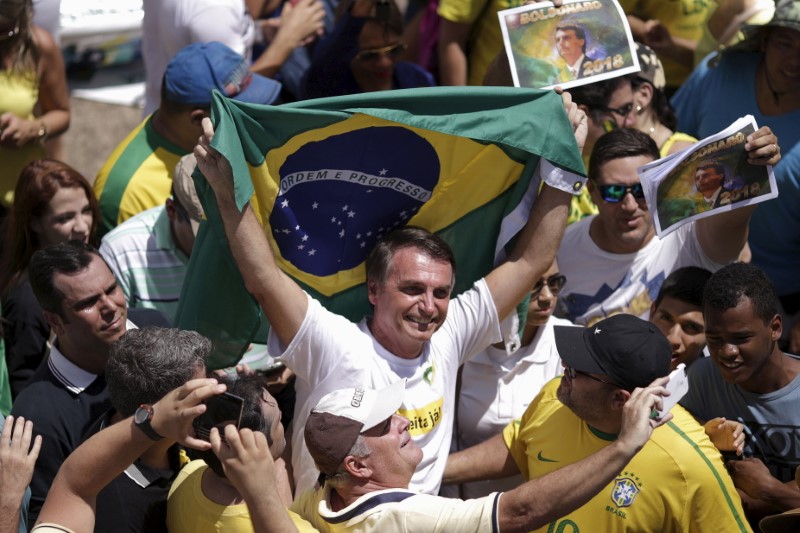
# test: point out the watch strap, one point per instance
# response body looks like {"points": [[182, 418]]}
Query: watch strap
{"points": [[143, 418]]}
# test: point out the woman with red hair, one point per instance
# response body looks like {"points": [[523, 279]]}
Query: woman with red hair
{"points": [[53, 203]]}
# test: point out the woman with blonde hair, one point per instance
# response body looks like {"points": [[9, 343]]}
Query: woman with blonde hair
{"points": [[34, 103]]}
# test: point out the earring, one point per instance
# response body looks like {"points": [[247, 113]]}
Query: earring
{"points": [[638, 109]]}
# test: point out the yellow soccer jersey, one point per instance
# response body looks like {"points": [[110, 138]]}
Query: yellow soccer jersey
{"points": [[677, 482], [189, 510], [683, 18]]}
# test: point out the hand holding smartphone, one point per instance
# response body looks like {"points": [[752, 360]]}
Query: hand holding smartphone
{"points": [[221, 410], [677, 386]]}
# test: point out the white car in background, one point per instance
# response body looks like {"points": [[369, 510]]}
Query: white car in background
{"points": [[99, 33]]}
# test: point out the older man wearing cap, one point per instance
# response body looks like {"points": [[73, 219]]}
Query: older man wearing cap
{"points": [[138, 174], [367, 458], [677, 482], [149, 253]]}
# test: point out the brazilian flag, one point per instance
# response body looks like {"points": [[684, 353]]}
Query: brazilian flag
{"points": [[327, 178]]}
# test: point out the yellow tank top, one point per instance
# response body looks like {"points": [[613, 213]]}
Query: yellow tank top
{"points": [[19, 96]]}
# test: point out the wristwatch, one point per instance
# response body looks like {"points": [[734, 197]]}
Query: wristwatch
{"points": [[142, 418]]}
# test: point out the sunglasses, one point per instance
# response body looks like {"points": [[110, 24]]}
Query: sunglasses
{"points": [[555, 283], [623, 111], [616, 193], [372, 54], [571, 373]]}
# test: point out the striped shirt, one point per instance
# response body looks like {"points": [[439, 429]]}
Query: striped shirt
{"points": [[147, 264]]}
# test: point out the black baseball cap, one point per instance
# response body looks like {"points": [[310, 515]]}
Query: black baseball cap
{"points": [[627, 349]]}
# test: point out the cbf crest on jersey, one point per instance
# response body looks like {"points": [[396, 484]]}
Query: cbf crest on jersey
{"points": [[327, 178], [624, 491]]}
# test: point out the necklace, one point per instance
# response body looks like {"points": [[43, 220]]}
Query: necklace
{"points": [[776, 95]]}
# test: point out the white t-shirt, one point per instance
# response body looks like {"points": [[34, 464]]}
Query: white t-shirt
{"points": [[170, 25], [329, 352], [601, 284], [496, 388]]}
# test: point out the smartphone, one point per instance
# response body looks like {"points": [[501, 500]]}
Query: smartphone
{"points": [[271, 369], [222, 409], [678, 386]]}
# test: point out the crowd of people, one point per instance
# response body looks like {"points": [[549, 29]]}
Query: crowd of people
{"points": [[429, 414]]}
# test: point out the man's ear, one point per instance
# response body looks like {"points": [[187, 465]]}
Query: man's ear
{"points": [[776, 328], [356, 468], [170, 208], [372, 290], [55, 321], [618, 399]]}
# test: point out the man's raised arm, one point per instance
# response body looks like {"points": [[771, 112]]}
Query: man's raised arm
{"points": [[282, 300], [542, 500], [94, 464], [538, 241]]}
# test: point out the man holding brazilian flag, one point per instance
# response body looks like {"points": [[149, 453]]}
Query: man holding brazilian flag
{"points": [[302, 192]]}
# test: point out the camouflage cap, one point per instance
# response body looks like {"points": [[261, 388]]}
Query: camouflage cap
{"points": [[652, 70], [787, 15]]}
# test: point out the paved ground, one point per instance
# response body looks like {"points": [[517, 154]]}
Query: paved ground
{"points": [[95, 131], [96, 128]]}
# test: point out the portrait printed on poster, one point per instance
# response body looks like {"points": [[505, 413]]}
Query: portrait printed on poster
{"points": [[712, 176], [580, 42]]}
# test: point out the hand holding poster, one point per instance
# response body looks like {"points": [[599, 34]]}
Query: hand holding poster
{"points": [[577, 43], [711, 177]]}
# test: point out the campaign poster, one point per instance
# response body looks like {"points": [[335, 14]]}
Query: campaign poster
{"points": [[580, 42], [710, 177]]}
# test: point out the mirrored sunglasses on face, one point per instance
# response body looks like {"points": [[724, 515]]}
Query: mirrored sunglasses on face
{"points": [[372, 54], [616, 193], [555, 283]]}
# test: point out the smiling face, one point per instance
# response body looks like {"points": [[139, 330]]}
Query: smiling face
{"points": [[782, 59], [375, 71], [624, 226], [94, 315], [683, 325], [743, 346], [68, 216], [394, 456], [620, 98], [412, 303]]}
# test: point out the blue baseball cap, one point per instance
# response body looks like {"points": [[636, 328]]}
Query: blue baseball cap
{"points": [[199, 68]]}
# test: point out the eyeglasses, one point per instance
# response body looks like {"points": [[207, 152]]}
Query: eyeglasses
{"points": [[555, 283], [623, 111], [372, 54], [9, 34], [616, 193], [571, 373]]}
